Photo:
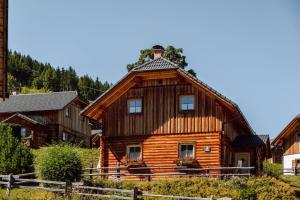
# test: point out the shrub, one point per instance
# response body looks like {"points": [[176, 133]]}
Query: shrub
{"points": [[15, 157], [260, 188], [59, 163], [272, 169]]}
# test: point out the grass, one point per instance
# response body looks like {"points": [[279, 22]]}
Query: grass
{"points": [[293, 181]]}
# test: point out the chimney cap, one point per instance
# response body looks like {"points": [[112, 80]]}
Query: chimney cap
{"points": [[158, 47]]}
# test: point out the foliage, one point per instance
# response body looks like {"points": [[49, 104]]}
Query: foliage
{"points": [[272, 169], [27, 90], [59, 163], [87, 156], [171, 53], [293, 181], [25, 72], [236, 188], [15, 157]]}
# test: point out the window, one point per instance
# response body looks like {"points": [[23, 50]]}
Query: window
{"points": [[23, 132], [298, 137], [66, 136], [134, 106], [186, 102], [187, 151], [134, 152], [67, 112]]}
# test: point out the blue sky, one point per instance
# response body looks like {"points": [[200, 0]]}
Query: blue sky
{"points": [[247, 50]]}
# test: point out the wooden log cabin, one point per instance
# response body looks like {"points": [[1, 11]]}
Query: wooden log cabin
{"points": [[288, 142], [3, 47], [40, 119], [160, 115]]}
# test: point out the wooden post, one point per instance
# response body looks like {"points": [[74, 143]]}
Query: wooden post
{"points": [[118, 170], [91, 170], [135, 193], [10, 183], [149, 178], [68, 189]]}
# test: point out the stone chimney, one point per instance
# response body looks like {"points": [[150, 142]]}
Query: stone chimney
{"points": [[157, 51]]}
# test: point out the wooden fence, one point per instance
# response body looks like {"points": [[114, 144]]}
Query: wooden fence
{"points": [[183, 171], [67, 188]]}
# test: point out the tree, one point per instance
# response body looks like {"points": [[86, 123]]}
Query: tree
{"points": [[15, 157], [171, 53], [12, 83]]}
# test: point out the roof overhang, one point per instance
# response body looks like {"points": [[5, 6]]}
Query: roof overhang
{"points": [[95, 110], [278, 141], [21, 116]]}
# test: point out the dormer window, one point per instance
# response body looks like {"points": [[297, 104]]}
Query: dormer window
{"points": [[186, 102], [134, 106]]}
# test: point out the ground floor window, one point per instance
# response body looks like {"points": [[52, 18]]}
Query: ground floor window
{"points": [[186, 151], [66, 136], [134, 152], [23, 132]]}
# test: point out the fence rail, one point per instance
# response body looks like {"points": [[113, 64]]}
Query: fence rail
{"points": [[67, 188]]}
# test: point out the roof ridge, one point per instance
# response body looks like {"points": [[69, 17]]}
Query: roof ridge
{"points": [[40, 93]]}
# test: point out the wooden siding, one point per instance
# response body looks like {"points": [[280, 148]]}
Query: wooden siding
{"points": [[162, 150], [74, 123], [290, 143], [3, 46], [161, 114]]}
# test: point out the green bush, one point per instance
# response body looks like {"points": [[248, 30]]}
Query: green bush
{"points": [[272, 169], [15, 157], [59, 163]]}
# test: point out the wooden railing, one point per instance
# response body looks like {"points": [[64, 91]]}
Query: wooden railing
{"points": [[183, 171], [67, 188]]}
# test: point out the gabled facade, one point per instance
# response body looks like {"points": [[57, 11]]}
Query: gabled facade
{"points": [[160, 115], [40, 119], [288, 141]]}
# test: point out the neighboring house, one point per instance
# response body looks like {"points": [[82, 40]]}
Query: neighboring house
{"points": [[289, 141], [3, 47], [43, 118], [160, 115]]}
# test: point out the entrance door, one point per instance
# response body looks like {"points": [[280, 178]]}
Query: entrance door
{"points": [[242, 159]]}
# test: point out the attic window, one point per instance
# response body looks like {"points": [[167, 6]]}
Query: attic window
{"points": [[186, 103], [134, 106]]}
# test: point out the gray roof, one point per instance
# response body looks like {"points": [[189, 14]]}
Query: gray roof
{"points": [[264, 138], [37, 102], [157, 64]]}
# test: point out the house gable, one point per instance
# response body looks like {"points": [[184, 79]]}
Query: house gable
{"points": [[154, 71]]}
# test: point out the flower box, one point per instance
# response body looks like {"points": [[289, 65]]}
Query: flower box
{"points": [[186, 162], [134, 163]]}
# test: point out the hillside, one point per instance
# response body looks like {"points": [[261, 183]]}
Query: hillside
{"points": [[28, 75]]}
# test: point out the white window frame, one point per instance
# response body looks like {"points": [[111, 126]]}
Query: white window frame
{"points": [[135, 107], [133, 146], [186, 144], [190, 107]]}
